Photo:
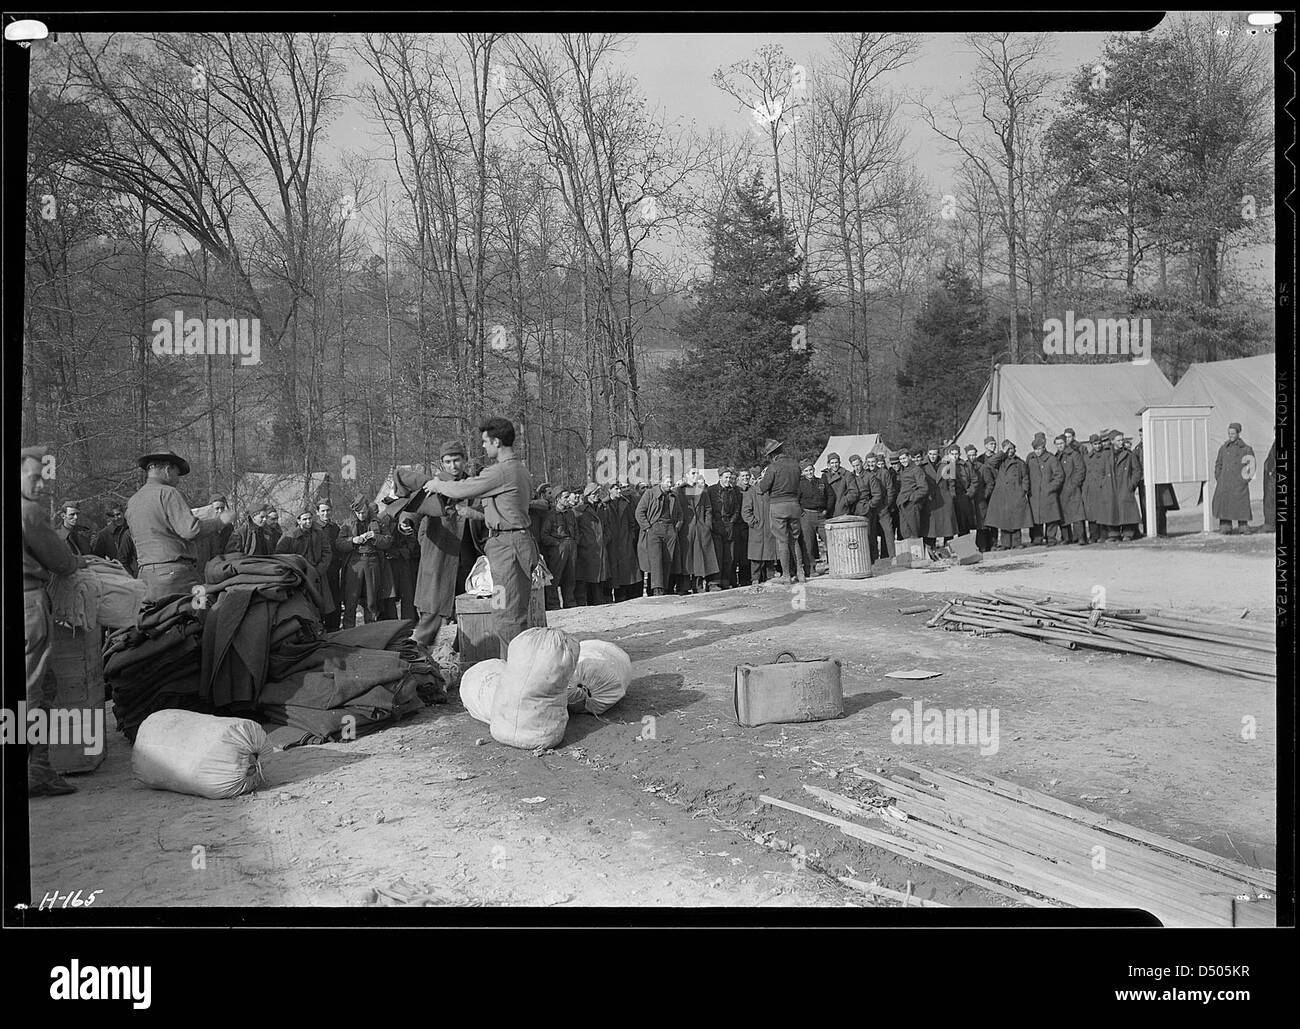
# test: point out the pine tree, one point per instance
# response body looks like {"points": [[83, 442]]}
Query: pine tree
{"points": [[747, 373], [947, 361]]}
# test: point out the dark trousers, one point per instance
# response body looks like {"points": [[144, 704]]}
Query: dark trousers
{"points": [[726, 566], [809, 522], [740, 554], [511, 557], [587, 593], [660, 546], [1036, 532], [1009, 538], [885, 532], [784, 516], [986, 538], [758, 571]]}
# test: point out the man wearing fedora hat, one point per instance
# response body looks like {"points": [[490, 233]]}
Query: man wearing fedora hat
{"points": [[162, 527]]}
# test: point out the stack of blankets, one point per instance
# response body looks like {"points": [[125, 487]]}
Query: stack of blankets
{"points": [[252, 644], [103, 593]]}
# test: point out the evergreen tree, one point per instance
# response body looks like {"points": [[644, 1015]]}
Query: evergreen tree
{"points": [[947, 361], [747, 373]]}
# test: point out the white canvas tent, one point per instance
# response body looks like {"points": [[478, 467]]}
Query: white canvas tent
{"points": [[1022, 399], [862, 445], [1243, 391]]}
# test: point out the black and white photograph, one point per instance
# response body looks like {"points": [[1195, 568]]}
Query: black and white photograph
{"points": [[602, 470]]}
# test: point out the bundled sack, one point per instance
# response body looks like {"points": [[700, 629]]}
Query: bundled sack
{"points": [[479, 581], [601, 678], [199, 754], [530, 708], [478, 687]]}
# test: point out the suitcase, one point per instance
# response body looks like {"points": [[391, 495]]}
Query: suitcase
{"points": [[788, 691]]}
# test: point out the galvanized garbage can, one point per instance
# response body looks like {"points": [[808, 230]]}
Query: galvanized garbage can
{"points": [[848, 547]]}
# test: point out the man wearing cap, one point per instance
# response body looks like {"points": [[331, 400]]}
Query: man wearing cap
{"points": [[1124, 481], [367, 579], [1009, 500], [968, 483], [697, 558], [306, 539], [760, 550], [506, 489], [780, 483], [943, 490], [1234, 469], [44, 555], [591, 562], [108, 542], [886, 505], [659, 514], [814, 501], [330, 531], [78, 537], [1073, 475], [1046, 478], [163, 527], [725, 500], [841, 486]]}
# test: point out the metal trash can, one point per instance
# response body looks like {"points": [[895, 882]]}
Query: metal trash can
{"points": [[848, 547]]}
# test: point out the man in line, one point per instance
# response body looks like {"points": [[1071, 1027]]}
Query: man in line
{"points": [[659, 515], [760, 551], [887, 512], [942, 492], [780, 482], [590, 565], [1045, 481], [108, 542], [366, 577], [505, 488], [871, 499], [913, 489], [1123, 481], [78, 537], [1234, 468], [1073, 475], [740, 529], [208, 547], [273, 530], [841, 485], [308, 540], [163, 528], [1009, 500], [252, 538], [725, 499], [330, 530], [814, 501], [44, 555]]}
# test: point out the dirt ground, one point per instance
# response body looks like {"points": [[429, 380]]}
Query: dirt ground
{"points": [[633, 812]]}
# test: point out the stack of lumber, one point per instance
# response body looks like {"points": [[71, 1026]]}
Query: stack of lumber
{"points": [[1234, 648], [1042, 851]]}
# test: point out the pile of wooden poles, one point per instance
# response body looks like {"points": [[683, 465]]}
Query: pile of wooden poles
{"points": [[1043, 852], [1234, 648]]}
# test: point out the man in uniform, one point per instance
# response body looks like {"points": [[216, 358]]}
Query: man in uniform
{"points": [[780, 482], [659, 514], [108, 543], [1046, 478], [163, 527], [506, 489], [330, 530], [725, 498], [1234, 469], [44, 554]]}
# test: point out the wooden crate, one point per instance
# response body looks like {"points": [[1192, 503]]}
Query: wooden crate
{"points": [[475, 639], [78, 667]]}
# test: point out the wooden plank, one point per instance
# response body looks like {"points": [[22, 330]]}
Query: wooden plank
{"points": [[1033, 798]]}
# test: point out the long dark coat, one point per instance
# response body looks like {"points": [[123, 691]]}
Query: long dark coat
{"points": [[439, 538], [968, 481], [1045, 481], [590, 563], [1127, 475], [620, 541], [871, 492], [654, 505], [913, 491], [843, 488], [942, 492], [754, 510], [1009, 501], [1096, 506], [1075, 473], [1232, 475], [695, 551], [726, 521], [560, 543], [980, 489], [314, 545]]}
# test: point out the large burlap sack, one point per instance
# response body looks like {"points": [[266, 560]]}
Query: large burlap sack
{"points": [[478, 687], [203, 755], [601, 678], [530, 708]]}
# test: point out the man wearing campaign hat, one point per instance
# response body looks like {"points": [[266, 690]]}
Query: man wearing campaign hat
{"points": [[162, 526], [1234, 469], [780, 483], [44, 555]]}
